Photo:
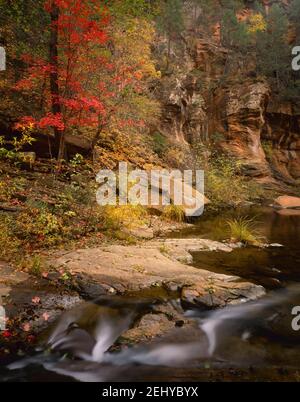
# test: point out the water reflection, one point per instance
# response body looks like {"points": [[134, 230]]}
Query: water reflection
{"points": [[257, 334], [272, 268]]}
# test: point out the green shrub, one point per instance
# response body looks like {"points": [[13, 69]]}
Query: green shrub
{"points": [[159, 144], [226, 186], [10, 187], [77, 160], [38, 228], [268, 149], [34, 265]]}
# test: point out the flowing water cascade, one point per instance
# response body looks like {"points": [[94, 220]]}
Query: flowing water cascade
{"points": [[83, 345], [86, 334]]}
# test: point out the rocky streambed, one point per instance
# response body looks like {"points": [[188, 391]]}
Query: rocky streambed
{"points": [[158, 271], [142, 295]]}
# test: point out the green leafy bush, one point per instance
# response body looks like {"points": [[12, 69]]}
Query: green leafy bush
{"points": [[159, 144], [226, 186]]}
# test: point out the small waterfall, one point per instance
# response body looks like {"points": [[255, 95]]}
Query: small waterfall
{"points": [[89, 331], [242, 318], [87, 334]]}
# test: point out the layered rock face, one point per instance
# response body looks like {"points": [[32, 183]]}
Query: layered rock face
{"points": [[184, 114], [243, 122], [282, 135], [184, 93], [265, 137]]}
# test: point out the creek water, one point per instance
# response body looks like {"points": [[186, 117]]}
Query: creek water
{"points": [[251, 341]]}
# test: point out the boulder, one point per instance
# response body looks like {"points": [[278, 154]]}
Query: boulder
{"points": [[150, 266], [216, 295], [181, 249], [142, 233], [287, 201], [175, 187]]}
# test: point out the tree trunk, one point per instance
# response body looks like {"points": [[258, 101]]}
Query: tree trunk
{"points": [[169, 53], [96, 138], [54, 77]]}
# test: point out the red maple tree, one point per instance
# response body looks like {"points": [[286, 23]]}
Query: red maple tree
{"points": [[66, 77], [80, 83]]}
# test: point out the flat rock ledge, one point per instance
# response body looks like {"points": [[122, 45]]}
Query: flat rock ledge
{"points": [[287, 202], [182, 249], [123, 269]]}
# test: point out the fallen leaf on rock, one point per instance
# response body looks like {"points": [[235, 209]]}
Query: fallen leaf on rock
{"points": [[36, 300], [26, 327], [46, 316], [30, 338]]}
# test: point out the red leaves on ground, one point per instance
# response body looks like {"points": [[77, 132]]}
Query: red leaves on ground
{"points": [[6, 334], [46, 316], [36, 300], [31, 338]]}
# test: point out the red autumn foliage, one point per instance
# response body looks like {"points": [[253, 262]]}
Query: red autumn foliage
{"points": [[81, 26], [52, 120], [89, 86]]}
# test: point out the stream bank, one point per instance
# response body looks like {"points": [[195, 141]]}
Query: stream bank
{"points": [[156, 279], [155, 269]]}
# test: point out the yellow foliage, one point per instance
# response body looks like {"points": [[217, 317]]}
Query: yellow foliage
{"points": [[257, 23], [133, 45], [132, 108], [126, 216], [242, 230], [174, 213]]}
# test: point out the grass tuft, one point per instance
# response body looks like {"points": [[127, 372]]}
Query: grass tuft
{"points": [[243, 230], [174, 213]]}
